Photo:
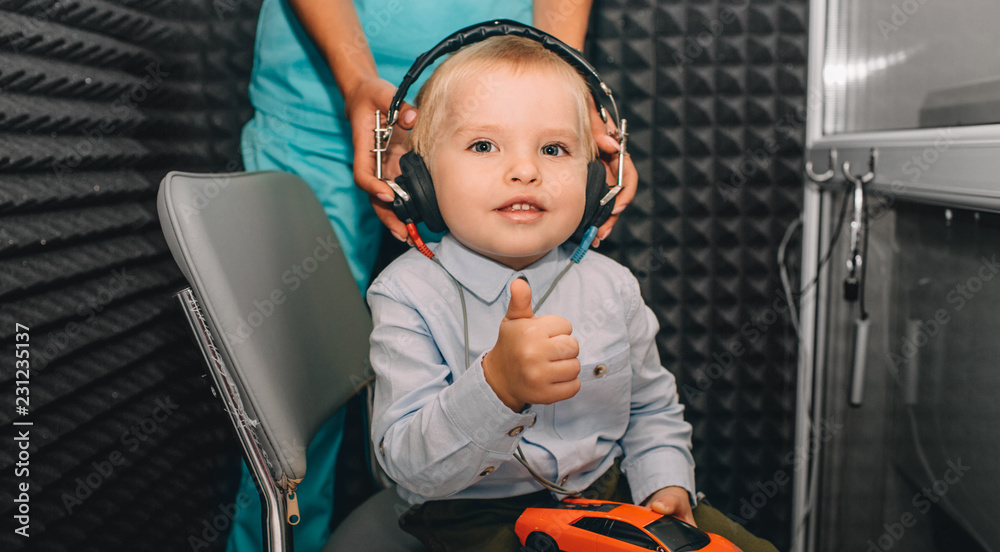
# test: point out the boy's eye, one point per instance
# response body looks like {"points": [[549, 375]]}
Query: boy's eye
{"points": [[553, 149], [482, 146]]}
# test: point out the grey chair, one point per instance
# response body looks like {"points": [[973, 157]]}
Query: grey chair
{"points": [[283, 329]]}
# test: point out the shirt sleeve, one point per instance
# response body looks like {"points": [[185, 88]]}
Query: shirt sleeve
{"points": [[657, 443], [437, 432]]}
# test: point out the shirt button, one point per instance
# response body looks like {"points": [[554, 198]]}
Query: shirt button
{"points": [[600, 370], [534, 418], [381, 447], [516, 431], [487, 471], [564, 480]]}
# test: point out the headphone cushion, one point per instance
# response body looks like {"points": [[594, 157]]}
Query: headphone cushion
{"points": [[415, 179], [594, 213]]}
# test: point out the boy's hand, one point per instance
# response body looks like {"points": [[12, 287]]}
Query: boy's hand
{"points": [[534, 360], [672, 501]]}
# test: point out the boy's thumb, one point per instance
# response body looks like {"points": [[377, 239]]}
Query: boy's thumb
{"points": [[520, 300]]}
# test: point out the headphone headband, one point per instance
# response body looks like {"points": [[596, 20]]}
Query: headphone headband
{"points": [[502, 27], [415, 199]]}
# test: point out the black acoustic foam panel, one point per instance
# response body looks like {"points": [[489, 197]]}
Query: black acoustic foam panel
{"points": [[714, 91], [98, 100]]}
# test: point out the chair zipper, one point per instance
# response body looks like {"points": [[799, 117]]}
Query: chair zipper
{"points": [[291, 499]]}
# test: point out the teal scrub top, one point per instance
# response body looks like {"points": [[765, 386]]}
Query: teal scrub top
{"points": [[292, 81]]}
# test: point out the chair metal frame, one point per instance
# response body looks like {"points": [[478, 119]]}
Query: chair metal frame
{"points": [[277, 535]]}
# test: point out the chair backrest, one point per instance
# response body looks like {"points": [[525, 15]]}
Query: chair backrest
{"points": [[277, 295]]}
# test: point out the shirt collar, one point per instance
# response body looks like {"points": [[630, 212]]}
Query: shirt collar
{"points": [[488, 279]]}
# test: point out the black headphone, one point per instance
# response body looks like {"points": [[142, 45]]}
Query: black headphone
{"points": [[415, 200]]}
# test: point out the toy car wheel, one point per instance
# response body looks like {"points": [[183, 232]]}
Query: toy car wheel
{"points": [[540, 542]]}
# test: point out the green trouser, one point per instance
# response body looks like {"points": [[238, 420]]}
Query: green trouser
{"points": [[488, 524]]}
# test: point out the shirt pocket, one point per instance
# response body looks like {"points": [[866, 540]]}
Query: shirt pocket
{"points": [[600, 410]]}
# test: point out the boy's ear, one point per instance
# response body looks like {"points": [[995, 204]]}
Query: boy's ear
{"points": [[415, 180], [594, 214]]}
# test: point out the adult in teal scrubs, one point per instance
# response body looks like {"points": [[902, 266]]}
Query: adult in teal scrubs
{"points": [[300, 126]]}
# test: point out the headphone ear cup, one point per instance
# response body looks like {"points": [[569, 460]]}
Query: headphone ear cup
{"points": [[415, 179], [594, 214]]}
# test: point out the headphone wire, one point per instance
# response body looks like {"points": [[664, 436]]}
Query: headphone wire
{"points": [[577, 256]]}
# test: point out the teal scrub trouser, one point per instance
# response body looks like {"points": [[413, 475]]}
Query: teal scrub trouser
{"points": [[324, 161]]}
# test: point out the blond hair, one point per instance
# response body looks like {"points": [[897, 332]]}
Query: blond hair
{"points": [[511, 52]]}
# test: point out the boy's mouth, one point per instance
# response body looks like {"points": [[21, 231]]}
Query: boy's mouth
{"points": [[520, 206], [521, 209]]}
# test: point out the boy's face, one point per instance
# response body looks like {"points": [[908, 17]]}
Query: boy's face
{"points": [[509, 166]]}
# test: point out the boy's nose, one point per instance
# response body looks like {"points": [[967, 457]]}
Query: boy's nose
{"points": [[523, 171]]}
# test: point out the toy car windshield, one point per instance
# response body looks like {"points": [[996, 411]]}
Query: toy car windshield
{"points": [[677, 535]]}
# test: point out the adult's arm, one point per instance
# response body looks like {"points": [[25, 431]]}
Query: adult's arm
{"points": [[564, 19], [335, 29]]}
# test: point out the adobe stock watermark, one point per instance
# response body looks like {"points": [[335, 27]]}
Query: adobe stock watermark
{"points": [[121, 109], [224, 8], [33, 24], [103, 470], [915, 167], [696, 45], [114, 287], [753, 330], [293, 279], [901, 14], [790, 125], [375, 22], [216, 527], [922, 501], [822, 432], [959, 296], [203, 196]]}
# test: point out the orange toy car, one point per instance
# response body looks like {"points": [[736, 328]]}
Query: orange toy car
{"points": [[582, 525]]}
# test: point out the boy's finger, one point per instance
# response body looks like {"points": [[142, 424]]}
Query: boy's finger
{"points": [[562, 371], [564, 347], [520, 300], [564, 390], [554, 325], [672, 506]]}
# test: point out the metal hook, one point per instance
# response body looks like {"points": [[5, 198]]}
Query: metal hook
{"points": [[866, 178], [852, 283], [826, 176]]}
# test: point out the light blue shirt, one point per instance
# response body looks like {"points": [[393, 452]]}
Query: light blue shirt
{"points": [[442, 430]]}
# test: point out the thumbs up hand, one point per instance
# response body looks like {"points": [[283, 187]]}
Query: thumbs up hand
{"points": [[534, 360]]}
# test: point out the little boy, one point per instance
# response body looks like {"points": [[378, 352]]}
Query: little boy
{"points": [[578, 385]]}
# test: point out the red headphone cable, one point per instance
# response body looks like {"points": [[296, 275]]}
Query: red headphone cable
{"points": [[411, 229]]}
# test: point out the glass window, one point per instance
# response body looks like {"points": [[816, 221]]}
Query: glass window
{"points": [[593, 524], [626, 532], [677, 535], [892, 64]]}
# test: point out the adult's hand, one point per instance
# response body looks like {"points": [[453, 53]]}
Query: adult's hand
{"points": [[360, 105], [608, 147], [335, 29]]}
